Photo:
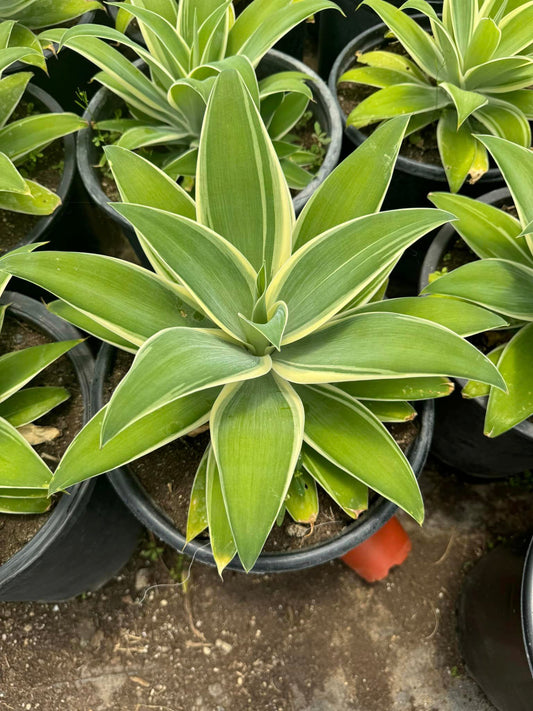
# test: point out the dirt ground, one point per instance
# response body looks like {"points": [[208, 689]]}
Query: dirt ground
{"points": [[169, 637]]}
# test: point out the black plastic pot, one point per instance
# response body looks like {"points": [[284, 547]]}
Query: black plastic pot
{"points": [[132, 493], [89, 535], [412, 180], [335, 30], [104, 103], [495, 625], [43, 228], [67, 72], [459, 440]]}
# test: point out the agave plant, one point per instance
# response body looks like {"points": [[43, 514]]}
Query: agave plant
{"points": [[470, 75], [21, 138], [500, 280], [24, 477], [19, 44], [36, 14], [263, 327], [187, 45]]}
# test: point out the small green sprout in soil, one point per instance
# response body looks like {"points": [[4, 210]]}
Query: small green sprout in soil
{"points": [[151, 550]]}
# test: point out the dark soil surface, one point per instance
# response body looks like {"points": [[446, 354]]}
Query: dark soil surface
{"points": [[47, 170], [16, 531], [168, 475], [166, 636]]}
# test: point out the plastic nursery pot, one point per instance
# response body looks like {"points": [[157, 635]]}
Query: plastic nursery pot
{"points": [[89, 535], [67, 72], [104, 103], [292, 43], [335, 31], [495, 625], [42, 229], [459, 440], [412, 180], [132, 493]]}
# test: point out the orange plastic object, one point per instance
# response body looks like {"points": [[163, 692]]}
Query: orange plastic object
{"points": [[374, 558]]}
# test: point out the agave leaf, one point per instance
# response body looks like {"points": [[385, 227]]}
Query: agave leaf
{"points": [[328, 272], [29, 404], [218, 276], [356, 188], [390, 411], [197, 517], [347, 491], [84, 322], [414, 39], [256, 432], [461, 318], [302, 498], [127, 300], [273, 329], [10, 179], [505, 120], [466, 102], [484, 43], [487, 230], [399, 389], [21, 36], [462, 19], [397, 100], [395, 62], [496, 284], [287, 115], [457, 148], [85, 458], [144, 136], [351, 437], [505, 410], [476, 389], [177, 362], [264, 22], [516, 163], [522, 99], [222, 541], [20, 465], [37, 201], [516, 30], [24, 505], [245, 200], [19, 367], [11, 90], [44, 14], [21, 137], [500, 75], [382, 346], [284, 82], [375, 76]]}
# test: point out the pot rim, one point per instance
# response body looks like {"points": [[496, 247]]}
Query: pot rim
{"points": [[44, 224], [368, 39], [141, 504], [526, 598], [322, 97], [37, 315], [429, 265]]}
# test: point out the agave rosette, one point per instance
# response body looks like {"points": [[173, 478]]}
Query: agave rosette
{"points": [[187, 44], [500, 280], [471, 74], [264, 327]]}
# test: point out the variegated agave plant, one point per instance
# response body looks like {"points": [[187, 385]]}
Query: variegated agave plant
{"points": [[19, 44], [501, 280], [187, 45], [285, 354], [24, 476], [22, 137], [36, 14], [471, 75]]}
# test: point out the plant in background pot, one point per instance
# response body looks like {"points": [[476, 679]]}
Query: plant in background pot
{"points": [[187, 45], [283, 354], [61, 546], [24, 135], [472, 72], [36, 14], [19, 44], [500, 279]]}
